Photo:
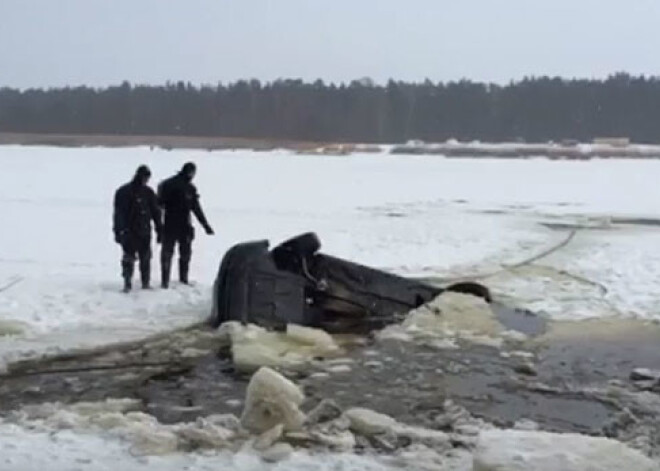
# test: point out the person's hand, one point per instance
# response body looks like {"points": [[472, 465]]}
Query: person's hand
{"points": [[209, 230], [119, 236]]}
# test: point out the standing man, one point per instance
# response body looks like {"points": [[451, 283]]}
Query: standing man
{"points": [[135, 208], [178, 197]]}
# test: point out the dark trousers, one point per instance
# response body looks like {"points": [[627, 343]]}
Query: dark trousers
{"points": [[170, 241], [134, 248]]}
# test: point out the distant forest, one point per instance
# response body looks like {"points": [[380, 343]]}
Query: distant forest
{"points": [[534, 110]]}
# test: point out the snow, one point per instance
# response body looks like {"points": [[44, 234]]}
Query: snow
{"points": [[516, 450], [414, 215], [71, 451], [60, 265], [106, 435], [417, 215], [624, 263], [525, 150], [607, 272]]}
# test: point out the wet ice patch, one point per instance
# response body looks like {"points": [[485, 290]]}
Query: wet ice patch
{"points": [[637, 332]]}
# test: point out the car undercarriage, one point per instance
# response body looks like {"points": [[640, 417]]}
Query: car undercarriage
{"points": [[295, 283]]}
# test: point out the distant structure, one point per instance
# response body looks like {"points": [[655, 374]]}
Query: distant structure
{"points": [[570, 143], [612, 141]]}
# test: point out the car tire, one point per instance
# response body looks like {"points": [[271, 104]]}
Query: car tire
{"points": [[304, 245], [471, 288]]}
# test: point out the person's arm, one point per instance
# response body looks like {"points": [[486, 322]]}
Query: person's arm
{"points": [[161, 195], [119, 216], [156, 214], [199, 213]]}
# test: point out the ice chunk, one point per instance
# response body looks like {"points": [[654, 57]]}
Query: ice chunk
{"points": [[367, 422], [253, 346], [271, 400]]}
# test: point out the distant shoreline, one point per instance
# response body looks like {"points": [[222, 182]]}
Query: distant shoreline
{"points": [[451, 149], [163, 142]]}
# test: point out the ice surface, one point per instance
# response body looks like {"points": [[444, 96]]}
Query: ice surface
{"points": [[422, 215], [28, 450], [416, 215], [516, 450], [106, 435], [59, 267]]}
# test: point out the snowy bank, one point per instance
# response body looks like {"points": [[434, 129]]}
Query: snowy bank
{"points": [[515, 450]]}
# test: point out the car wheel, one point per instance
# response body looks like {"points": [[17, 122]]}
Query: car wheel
{"points": [[472, 288], [304, 245]]}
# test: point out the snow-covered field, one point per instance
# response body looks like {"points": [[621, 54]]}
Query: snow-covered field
{"points": [[59, 267], [418, 215]]}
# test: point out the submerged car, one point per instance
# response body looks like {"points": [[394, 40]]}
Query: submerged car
{"points": [[295, 283]]}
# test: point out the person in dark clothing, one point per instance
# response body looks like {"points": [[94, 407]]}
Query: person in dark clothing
{"points": [[178, 198], [135, 208]]}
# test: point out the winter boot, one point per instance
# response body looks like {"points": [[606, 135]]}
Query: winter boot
{"points": [[165, 268], [127, 274], [183, 271], [145, 275]]}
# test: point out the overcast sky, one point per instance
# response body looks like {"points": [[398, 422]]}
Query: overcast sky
{"points": [[100, 42]]}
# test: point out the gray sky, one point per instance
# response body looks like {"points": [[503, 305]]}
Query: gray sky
{"points": [[99, 42]]}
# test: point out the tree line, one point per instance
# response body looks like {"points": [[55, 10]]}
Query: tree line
{"points": [[533, 109]]}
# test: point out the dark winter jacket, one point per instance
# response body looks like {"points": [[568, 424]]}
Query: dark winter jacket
{"points": [[178, 197], [135, 208]]}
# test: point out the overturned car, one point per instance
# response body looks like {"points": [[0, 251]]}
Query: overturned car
{"points": [[295, 283]]}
